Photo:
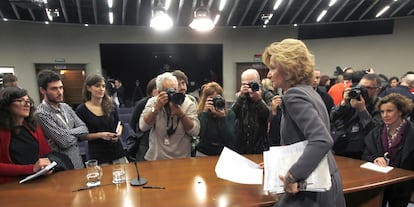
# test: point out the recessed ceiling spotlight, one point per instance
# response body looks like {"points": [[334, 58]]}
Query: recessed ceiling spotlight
{"points": [[5, 19], [234, 26]]}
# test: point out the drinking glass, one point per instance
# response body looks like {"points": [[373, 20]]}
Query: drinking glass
{"points": [[118, 174], [94, 173]]}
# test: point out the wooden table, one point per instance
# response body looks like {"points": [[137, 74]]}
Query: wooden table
{"points": [[364, 187], [188, 182]]}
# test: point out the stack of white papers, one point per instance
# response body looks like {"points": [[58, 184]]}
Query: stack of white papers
{"points": [[372, 166], [278, 160], [234, 167]]}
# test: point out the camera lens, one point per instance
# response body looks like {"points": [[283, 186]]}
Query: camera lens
{"points": [[174, 97], [219, 103], [254, 86]]}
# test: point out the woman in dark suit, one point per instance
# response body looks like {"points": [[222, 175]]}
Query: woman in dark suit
{"points": [[304, 117], [392, 144]]}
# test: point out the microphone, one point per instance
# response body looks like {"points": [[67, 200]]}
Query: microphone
{"points": [[138, 181]]}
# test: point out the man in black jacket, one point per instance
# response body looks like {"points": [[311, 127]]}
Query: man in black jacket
{"points": [[354, 118], [326, 98], [252, 115]]}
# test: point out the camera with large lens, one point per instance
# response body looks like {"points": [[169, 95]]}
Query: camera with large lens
{"points": [[254, 86], [175, 97], [357, 92], [219, 103]]}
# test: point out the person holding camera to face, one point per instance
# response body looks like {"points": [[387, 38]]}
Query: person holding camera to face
{"points": [[252, 114], [172, 118], [217, 123], [352, 120]]}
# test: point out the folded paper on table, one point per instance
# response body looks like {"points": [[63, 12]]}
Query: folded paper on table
{"points": [[278, 160], [234, 167], [372, 166], [39, 173]]}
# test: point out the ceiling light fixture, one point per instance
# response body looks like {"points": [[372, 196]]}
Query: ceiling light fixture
{"points": [[266, 18], [277, 4], [111, 17], [222, 4], [110, 4], [332, 2], [160, 19], [382, 11], [52, 13], [167, 4], [216, 19], [321, 15], [202, 21]]}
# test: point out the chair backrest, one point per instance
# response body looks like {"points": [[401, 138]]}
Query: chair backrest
{"points": [[124, 118], [126, 132], [126, 110]]}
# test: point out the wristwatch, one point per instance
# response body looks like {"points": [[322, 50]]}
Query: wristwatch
{"points": [[291, 179]]}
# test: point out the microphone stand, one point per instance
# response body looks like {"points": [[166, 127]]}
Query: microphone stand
{"points": [[138, 181]]}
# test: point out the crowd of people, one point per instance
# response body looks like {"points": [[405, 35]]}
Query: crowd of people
{"points": [[358, 117]]}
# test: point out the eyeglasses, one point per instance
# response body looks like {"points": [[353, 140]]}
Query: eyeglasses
{"points": [[24, 102]]}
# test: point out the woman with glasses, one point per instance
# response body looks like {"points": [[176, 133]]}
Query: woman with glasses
{"points": [[392, 144], [216, 121], [22, 142], [100, 116]]}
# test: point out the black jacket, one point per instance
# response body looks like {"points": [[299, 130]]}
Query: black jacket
{"points": [[349, 128], [251, 125], [400, 192]]}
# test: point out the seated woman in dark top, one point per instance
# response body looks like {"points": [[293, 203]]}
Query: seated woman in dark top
{"points": [[100, 116], [22, 143], [216, 121], [392, 143]]}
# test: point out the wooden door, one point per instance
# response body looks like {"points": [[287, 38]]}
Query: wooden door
{"points": [[73, 83]]}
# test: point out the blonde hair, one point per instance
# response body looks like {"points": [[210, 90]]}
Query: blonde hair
{"points": [[207, 90], [293, 58], [267, 84]]}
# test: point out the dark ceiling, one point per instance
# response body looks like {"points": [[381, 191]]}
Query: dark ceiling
{"points": [[235, 12]]}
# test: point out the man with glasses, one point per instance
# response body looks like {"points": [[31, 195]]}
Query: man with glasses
{"points": [[354, 118], [61, 125], [172, 118]]}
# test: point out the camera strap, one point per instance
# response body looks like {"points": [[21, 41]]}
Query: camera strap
{"points": [[170, 128]]}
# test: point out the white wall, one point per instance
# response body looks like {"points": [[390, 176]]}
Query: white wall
{"points": [[391, 55], [24, 44]]}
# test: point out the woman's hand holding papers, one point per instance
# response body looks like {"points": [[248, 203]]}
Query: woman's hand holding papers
{"points": [[289, 187], [40, 164]]}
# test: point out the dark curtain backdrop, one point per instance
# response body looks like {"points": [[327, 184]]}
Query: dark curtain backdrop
{"points": [[129, 62]]}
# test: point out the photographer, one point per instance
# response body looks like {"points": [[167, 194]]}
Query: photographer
{"points": [[172, 118], [216, 122], [252, 115], [356, 115]]}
